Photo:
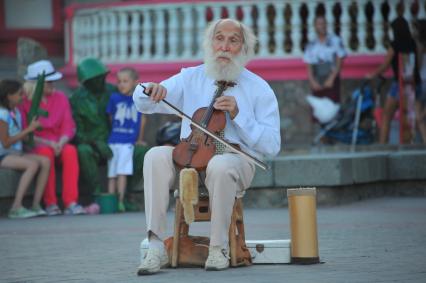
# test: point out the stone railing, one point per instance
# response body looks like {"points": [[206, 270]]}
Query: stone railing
{"points": [[127, 32]]}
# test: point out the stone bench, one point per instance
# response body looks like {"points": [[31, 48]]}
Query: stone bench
{"points": [[341, 177], [326, 171]]}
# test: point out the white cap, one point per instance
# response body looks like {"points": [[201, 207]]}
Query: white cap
{"points": [[38, 67]]}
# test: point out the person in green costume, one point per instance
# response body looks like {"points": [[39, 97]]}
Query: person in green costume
{"points": [[89, 104]]}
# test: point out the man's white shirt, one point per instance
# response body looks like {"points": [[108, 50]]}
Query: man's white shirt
{"points": [[256, 128]]}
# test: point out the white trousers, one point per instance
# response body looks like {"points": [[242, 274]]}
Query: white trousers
{"points": [[227, 177]]}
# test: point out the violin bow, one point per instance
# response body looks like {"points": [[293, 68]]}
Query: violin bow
{"points": [[182, 115]]}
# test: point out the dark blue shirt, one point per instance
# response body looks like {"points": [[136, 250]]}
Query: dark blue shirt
{"points": [[125, 119]]}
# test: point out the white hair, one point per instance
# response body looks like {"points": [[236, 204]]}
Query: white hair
{"points": [[237, 63]]}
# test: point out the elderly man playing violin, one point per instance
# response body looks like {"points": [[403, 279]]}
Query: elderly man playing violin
{"points": [[252, 125]]}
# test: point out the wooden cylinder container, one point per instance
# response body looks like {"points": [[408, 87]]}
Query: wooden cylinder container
{"points": [[303, 225]]}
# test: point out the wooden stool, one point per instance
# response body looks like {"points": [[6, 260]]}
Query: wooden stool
{"points": [[202, 213]]}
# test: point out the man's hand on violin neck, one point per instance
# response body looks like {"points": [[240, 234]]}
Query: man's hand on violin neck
{"points": [[156, 92], [227, 103]]}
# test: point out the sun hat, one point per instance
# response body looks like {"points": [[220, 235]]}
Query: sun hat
{"points": [[38, 67]]}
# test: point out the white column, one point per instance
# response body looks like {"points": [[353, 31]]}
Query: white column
{"points": [[160, 28], [113, 36], [95, 38], [329, 16], [147, 33], [104, 35], [216, 9], [345, 21], [361, 22], [247, 19], [77, 40], [134, 36], [378, 27], [154, 14], [296, 31], [200, 27], [262, 24], [279, 28], [173, 33], [123, 35], [310, 20], [187, 32], [85, 37]]}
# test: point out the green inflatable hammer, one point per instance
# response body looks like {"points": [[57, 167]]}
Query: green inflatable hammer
{"points": [[35, 110]]}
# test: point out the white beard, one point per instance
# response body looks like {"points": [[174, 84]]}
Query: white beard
{"points": [[221, 71]]}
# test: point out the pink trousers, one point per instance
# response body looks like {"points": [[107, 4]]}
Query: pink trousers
{"points": [[70, 170]]}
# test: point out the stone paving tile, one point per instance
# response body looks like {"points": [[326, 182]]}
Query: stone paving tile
{"points": [[378, 240]]}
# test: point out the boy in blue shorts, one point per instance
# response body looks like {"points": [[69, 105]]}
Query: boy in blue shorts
{"points": [[127, 130]]}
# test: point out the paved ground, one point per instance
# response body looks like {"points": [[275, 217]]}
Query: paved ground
{"points": [[379, 240]]}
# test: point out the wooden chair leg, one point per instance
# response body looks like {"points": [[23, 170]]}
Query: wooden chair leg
{"points": [[176, 234], [240, 221], [232, 237]]}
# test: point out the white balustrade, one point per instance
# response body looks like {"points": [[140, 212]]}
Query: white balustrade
{"points": [[296, 30], [187, 36], [103, 36], [173, 31], [362, 33], [217, 9], [279, 28], [113, 34], [93, 44], [378, 27], [133, 35], [345, 23], [329, 18], [247, 19], [123, 36], [160, 38], [310, 21], [232, 10], [200, 25], [262, 24]]}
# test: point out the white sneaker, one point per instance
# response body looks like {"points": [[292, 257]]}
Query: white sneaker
{"points": [[154, 260], [218, 259]]}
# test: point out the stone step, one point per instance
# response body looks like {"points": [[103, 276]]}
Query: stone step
{"points": [[314, 170]]}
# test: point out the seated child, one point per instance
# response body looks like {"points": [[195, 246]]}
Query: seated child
{"points": [[127, 129], [11, 155]]}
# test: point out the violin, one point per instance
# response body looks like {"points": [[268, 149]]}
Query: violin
{"points": [[197, 149], [197, 135]]}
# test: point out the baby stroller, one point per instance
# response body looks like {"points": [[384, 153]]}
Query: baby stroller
{"points": [[354, 122]]}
